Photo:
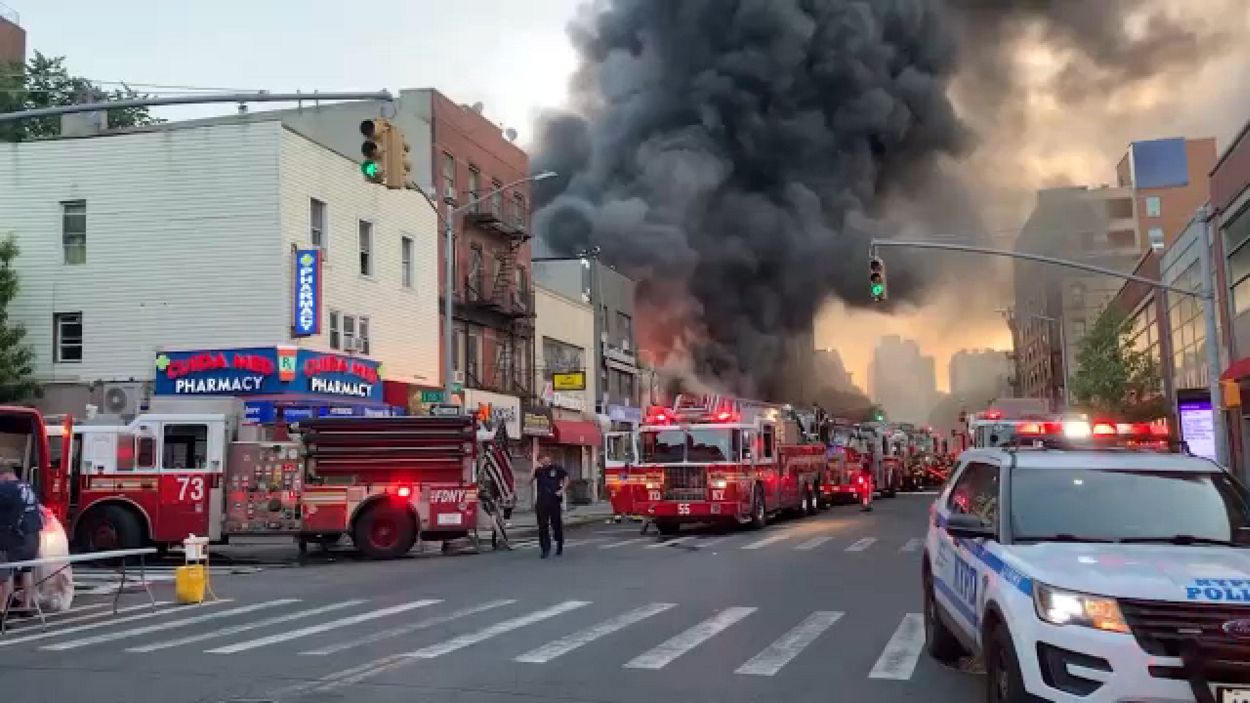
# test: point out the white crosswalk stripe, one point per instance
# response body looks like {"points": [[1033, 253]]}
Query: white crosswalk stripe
{"points": [[236, 629], [462, 641], [148, 629], [898, 659], [624, 543], [323, 627], [705, 543], [566, 644], [760, 544], [862, 544], [813, 542], [671, 542], [148, 611], [912, 545], [779, 653], [661, 655], [412, 627]]}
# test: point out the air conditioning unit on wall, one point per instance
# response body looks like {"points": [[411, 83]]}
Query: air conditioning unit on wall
{"points": [[121, 398]]}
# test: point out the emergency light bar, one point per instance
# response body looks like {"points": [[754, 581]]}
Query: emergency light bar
{"points": [[1098, 430]]}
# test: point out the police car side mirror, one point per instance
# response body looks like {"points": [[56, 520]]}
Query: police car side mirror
{"points": [[963, 526]]}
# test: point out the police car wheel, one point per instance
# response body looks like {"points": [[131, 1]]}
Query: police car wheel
{"points": [[1003, 681], [940, 642]]}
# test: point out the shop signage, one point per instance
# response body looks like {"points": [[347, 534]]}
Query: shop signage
{"points": [[265, 412], [266, 371], [1198, 426], [570, 381], [625, 413], [503, 408], [568, 401], [306, 296], [431, 396], [536, 421]]}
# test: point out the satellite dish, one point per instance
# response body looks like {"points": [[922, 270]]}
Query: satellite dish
{"points": [[478, 107], [510, 133]]}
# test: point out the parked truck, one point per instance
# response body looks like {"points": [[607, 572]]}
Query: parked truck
{"points": [[385, 482]]}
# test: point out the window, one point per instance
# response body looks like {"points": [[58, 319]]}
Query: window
{"points": [[767, 436], [559, 357], [186, 447], [449, 176], [362, 335], [74, 231], [976, 493], [405, 260], [475, 184], [317, 223], [1120, 208], [145, 453], [518, 210], [349, 332], [67, 337], [624, 326], [366, 248], [472, 353], [1119, 238], [476, 273], [496, 197], [1155, 235], [607, 321], [1154, 206], [336, 341], [1077, 295]]}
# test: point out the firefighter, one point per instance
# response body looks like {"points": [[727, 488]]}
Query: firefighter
{"points": [[550, 480]]}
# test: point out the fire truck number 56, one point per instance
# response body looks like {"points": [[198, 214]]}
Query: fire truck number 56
{"points": [[190, 488]]}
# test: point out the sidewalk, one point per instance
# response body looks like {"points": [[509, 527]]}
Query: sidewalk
{"points": [[525, 522]]}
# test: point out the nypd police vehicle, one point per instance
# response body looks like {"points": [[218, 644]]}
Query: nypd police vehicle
{"points": [[1085, 564]]}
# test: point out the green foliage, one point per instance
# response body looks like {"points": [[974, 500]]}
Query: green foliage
{"points": [[1114, 378], [46, 82], [17, 359]]}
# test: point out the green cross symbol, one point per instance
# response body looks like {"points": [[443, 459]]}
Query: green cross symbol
{"points": [[162, 362]]}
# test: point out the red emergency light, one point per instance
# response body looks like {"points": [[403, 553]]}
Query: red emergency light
{"points": [[1105, 429], [658, 415], [1039, 429], [993, 414], [403, 491], [726, 416]]}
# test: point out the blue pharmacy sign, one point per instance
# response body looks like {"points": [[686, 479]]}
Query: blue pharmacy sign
{"points": [[306, 295], [267, 371]]}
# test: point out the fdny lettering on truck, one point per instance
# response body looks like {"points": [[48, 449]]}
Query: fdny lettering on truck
{"points": [[448, 495]]}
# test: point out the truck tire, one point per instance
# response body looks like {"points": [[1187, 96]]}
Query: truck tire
{"points": [[759, 514], [384, 531], [109, 527], [667, 528], [813, 499]]}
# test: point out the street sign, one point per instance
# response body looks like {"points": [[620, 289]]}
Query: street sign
{"points": [[446, 410], [570, 381], [457, 387], [431, 396]]}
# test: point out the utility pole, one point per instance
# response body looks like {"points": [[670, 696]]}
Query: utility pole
{"points": [[1206, 294]]}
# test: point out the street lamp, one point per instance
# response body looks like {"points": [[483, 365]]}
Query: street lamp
{"points": [[449, 259], [1063, 348]]}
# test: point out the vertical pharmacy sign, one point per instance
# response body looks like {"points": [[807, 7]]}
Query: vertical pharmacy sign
{"points": [[306, 310]]}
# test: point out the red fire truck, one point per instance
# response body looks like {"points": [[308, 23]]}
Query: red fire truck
{"points": [[386, 482], [718, 459]]}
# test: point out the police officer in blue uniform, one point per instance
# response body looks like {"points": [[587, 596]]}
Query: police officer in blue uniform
{"points": [[20, 525], [550, 480]]}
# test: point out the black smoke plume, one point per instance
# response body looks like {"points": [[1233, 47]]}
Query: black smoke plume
{"points": [[734, 156]]}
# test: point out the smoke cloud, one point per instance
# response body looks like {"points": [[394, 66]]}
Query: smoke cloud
{"points": [[736, 156]]}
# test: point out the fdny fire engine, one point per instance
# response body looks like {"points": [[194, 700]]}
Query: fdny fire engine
{"points": [[718, 459], [385, 482]]}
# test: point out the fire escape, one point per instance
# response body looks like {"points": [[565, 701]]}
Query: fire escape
{"points": [[506, 299]]}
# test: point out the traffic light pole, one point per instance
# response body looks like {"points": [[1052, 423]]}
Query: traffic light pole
{"points": [[1206, 294], [259, 97]]}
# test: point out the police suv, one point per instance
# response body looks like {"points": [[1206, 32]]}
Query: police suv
{"points": [[1085, 564]]}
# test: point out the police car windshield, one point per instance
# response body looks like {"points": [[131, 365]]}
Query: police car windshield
{"points": [[1127, 505]]}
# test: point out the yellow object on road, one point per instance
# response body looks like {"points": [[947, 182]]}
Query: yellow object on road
{"points": [[190, 583]]}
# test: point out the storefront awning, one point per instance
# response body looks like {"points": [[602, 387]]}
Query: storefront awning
{"points": [[1237, 370], [576, 432]]}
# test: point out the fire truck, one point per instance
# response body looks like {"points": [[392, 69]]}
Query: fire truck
{"points": [[718, 459], [847, 448], [385, 482]]}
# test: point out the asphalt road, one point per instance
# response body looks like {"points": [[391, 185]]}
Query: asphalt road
{"points": [[813, 609]]}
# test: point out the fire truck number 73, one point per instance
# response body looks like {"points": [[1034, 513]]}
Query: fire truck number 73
{"points": [[191, 487]]}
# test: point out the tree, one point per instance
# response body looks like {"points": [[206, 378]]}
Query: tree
{"points": [[1112, 376], [17, 359], [46, 82]]}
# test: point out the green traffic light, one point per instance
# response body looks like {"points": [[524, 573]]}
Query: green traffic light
{"points": [[370, 169], [878, 289]]}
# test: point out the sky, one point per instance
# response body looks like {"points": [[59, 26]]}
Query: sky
{"points": [[511, 55]]}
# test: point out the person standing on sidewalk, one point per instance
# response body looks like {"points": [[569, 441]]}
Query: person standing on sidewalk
{"points": [[20, 525], [551, 480]]}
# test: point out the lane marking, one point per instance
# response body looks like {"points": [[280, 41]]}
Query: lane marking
{"points": [[704, 544], [499, 628], [150, 613], [912, 545], [664, 653], [566, 644], [898, 659], [788, 646], [323, 627], [235, 629], [60, 618], [614, 545], [667, 542], [567, 543], [413, 627], [147, 629], [767, 541], [814, 542], [862, 544]]}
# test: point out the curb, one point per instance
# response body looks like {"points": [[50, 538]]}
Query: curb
{"points": [[569, 521]]}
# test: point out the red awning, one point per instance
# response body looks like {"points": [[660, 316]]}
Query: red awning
{"points": [[1238, 369], [576, 432]]}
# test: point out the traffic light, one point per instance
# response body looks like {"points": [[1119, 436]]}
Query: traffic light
{"points": [[397, 171], [374, 149], [876, 278]]}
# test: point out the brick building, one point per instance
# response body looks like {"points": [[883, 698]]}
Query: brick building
{"points": [[12, 37]]}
